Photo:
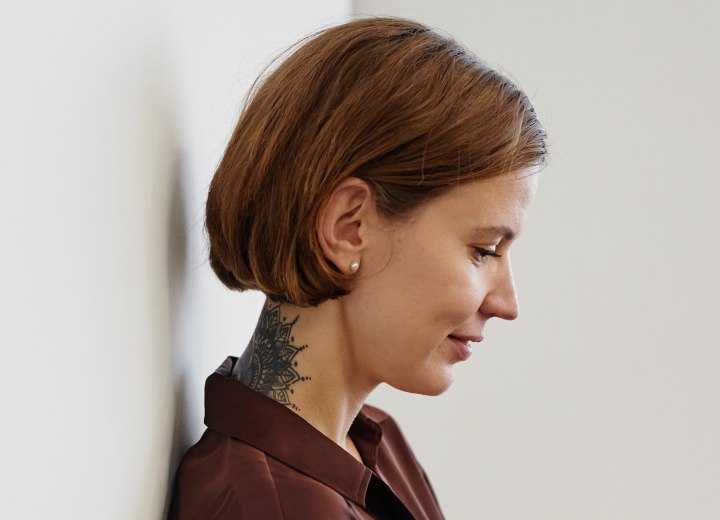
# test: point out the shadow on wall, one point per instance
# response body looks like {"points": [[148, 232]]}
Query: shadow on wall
{"points": [[177, 284], [163, 203]]}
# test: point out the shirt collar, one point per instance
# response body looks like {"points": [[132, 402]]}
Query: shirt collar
{"points": [[233, 408]]}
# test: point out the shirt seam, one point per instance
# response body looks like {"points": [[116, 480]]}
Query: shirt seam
{"points": [[272, 478], [353, 508]]}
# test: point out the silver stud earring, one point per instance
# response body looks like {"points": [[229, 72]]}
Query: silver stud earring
{"points": [[354, 266]]}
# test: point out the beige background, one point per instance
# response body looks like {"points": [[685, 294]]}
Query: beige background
{"points": [[602, 401], [599, 402]]}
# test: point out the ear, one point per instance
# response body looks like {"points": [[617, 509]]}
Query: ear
{"points": [[343, 229]]}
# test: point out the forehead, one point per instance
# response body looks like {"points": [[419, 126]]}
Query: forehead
{"points": [[497, 193], [494, 206]]}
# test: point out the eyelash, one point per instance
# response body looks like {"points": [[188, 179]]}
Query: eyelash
{"points": [[484, 253]]}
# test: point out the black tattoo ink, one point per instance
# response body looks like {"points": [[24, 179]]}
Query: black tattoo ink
{"points": [[268, 363]]}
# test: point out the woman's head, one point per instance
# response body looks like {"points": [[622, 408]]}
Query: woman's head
{"points": [[407, 112]]}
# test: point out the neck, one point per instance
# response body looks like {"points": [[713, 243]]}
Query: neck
{"points": [[299, 357]]}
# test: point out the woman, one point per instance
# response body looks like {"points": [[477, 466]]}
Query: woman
{"points": [[371, 190]]}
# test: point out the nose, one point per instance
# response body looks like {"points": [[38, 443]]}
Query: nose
{"points": [[501, 299]]}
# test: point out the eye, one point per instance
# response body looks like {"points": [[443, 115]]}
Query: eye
{"points": [[481, 254]]}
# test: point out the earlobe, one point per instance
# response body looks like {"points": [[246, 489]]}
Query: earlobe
{"points": [[342, 229]]}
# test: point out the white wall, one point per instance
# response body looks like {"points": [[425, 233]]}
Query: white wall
{"points": [[601, 400], [114, 115]]}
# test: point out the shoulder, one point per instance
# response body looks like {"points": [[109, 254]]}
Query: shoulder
{"points": [[223, 478]]}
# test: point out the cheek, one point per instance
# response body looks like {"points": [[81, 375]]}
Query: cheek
{"points": [[447, 292], [418, 299], [463, 287], [404, 305]]}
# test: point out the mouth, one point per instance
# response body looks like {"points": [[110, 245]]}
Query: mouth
{"points": [[463, 350], [474, 339]]}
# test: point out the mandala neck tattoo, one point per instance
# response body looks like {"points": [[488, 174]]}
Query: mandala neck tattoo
{"points": [[268, 364]]}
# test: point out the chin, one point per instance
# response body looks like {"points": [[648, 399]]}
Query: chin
{"points": [[427, 385]]}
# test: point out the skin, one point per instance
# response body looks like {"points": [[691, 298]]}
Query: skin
{"points": [[418, 282]]}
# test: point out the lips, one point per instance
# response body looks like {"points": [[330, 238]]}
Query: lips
{"points": [[465, 339], [462, 348]]}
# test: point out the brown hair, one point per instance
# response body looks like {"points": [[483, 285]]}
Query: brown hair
{"points": [[388, 100]]}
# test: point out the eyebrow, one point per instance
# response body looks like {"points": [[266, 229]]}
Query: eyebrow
{"points": [[504, 231]]}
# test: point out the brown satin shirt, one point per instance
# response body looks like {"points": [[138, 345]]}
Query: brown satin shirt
{"points": [[259, 460]]}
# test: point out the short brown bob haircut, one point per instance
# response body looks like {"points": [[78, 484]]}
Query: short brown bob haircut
{"points": [[388, 100]]}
